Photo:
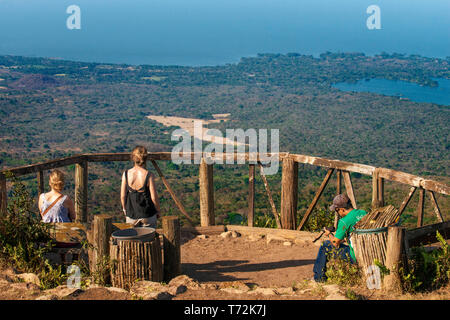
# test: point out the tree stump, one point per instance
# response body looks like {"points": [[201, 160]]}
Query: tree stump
{"points": [[172, 242], [134, 260], [98, 237]]}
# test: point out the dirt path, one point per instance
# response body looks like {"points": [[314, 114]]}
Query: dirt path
{"points": [[199, 132]]}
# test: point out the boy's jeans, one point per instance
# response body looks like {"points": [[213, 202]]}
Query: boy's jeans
{"points": [[325, 252]]}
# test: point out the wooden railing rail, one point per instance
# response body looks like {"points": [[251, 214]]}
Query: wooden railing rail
{"points": [[289, 185], [426, 235]]}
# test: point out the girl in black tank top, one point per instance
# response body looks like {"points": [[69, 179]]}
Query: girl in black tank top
{"points": [[138, 203]]}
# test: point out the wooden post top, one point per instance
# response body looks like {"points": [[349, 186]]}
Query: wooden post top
{"points": [[170, 218]]}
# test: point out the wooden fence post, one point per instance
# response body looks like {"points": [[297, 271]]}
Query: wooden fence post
{"points": [[289, 194], [172, 242], [100, 235], [81, 186], [40, 185], [375, 203], [420, 207], [377, 190], [349, 188], [3, 196], [338, 182], [381, 192], [206, 194], [394, 252], [251, 195], [40, 182]]}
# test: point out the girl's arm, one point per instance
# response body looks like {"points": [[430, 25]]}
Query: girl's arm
{"points": [[154, 195], [123, 190], [40, 203]]}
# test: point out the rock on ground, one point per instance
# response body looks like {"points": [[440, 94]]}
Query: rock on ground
{"points": [[264, 291], [333, 292], [149, 290], [235, 234], [226, 234], [184, 280], [255, 237], [273, 238], [61, 292], [29, 278]]}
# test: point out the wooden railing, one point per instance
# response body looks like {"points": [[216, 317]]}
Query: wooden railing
{"points": [[286, 218]]}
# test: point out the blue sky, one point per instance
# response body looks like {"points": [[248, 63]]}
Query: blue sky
{"points": [[218, 31]]}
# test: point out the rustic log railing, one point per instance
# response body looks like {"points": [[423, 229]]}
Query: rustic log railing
{"points": [[289, 184]]}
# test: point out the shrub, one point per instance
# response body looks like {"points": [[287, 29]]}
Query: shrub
{"points": [[318, 220], [234, 218], [427, 270], [265, 221], [352, 295], [101, 275], [340, 271]]}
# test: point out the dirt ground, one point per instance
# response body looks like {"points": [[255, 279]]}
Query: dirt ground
{"points": [[215, 259], [222, 261]]}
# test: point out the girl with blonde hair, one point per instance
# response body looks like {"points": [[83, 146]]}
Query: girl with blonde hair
{"points": [[53, 205], [140, 202]]}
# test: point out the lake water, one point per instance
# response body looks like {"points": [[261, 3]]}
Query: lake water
{"points": [[412, 91], [213, 32]]}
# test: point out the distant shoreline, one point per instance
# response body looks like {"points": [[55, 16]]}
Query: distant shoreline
{"points": [[235, 62]]}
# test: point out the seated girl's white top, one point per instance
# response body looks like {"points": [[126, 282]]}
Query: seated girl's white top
{"points": [[58, 213]]}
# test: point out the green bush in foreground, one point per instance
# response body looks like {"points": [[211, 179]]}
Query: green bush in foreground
{"points": [[427, 270], [342, 272]]}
